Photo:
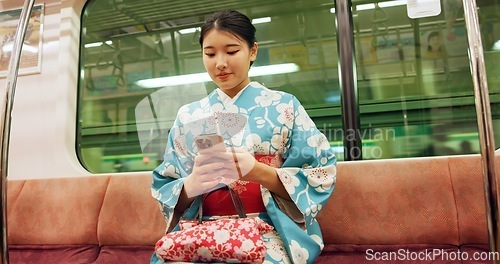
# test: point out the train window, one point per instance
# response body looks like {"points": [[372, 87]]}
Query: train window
{"points": [[415, 88], [124, 119]]}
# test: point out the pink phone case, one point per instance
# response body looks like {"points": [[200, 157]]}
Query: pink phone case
{"points": [[210, 142]]}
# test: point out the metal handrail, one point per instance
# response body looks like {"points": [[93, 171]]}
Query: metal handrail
{"points": [[484, 122], [6, 118]]}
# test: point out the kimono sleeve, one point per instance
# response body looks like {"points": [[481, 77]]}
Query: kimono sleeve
{"points": [[308, 172], [168, 177]]}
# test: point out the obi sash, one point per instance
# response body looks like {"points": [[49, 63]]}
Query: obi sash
{"points": [[219, 201]]}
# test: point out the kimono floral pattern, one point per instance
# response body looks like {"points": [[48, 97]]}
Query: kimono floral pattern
{"points": [[266, 122]]}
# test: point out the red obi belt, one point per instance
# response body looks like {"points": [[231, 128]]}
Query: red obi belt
{"points": [[219, 202]]}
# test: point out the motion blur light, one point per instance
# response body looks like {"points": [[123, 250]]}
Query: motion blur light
{"points": [[97, 44], [372, 6], [261, 20], [381, 4], [496, 46], [189, 30], [204, 77]]}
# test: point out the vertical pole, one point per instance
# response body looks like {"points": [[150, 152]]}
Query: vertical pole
{"points": [[348, 82], [175, 53], [6, 118], [484, 123]]}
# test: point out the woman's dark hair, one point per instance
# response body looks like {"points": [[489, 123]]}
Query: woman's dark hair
{"points": [[233, 22]]}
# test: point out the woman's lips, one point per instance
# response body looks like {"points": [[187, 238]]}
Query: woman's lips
{"points": [[223, 76]]}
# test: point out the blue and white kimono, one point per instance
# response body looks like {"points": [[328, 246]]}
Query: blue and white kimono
{"points": [[275, 123]]}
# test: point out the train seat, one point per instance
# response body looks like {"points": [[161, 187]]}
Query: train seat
{"points": [[404, 206], [423, 209]]}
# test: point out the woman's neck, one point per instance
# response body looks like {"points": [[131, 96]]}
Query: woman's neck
{"points": [[232, 92]]}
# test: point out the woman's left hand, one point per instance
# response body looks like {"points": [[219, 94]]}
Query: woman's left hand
{"points": [[244, 162], [238, 163]]}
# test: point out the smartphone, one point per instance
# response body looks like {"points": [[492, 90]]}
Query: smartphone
{"points": [[210, 142]]}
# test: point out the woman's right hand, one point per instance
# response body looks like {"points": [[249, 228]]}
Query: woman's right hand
{"points": [[206, 175]]}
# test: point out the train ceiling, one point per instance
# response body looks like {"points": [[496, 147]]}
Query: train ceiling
{"points": [[112, 18], [115, 17], [147, 23]]}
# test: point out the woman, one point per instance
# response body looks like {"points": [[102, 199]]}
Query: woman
{"points": [[285, 166]]}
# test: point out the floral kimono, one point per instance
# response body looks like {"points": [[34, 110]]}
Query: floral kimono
{"points": [[265, 122]]}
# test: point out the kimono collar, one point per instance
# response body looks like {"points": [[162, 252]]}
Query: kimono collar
{"points": [[228, 101]]}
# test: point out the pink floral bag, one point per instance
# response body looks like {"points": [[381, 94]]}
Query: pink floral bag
{"points": [[235, 240]]}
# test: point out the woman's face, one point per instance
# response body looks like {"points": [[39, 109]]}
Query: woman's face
{"points": [[227, 60]]}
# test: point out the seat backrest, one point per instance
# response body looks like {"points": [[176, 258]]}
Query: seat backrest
{"points": [[55, 211], [398, 201]]}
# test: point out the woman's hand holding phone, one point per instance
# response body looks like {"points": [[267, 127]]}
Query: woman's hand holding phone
{"points": [[238, 163], [209, 170], [205, 176], [216, 166]]}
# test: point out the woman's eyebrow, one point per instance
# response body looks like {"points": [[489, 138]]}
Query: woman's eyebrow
{"points": [[228, 45], [233, 45]]}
